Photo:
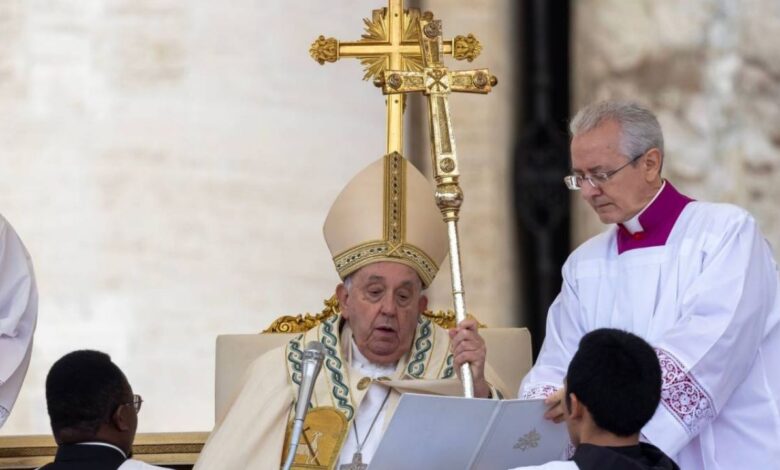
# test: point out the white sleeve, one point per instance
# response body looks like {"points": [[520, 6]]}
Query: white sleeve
{"points": [[565, 328], [551, 466], [18, 315], [707, 353], [18, 299], [132, 464]]}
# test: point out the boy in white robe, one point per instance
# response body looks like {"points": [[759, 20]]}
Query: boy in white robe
{"points": [[696, 280]]}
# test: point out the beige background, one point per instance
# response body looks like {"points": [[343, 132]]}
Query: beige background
{"points": [[169, 165]]}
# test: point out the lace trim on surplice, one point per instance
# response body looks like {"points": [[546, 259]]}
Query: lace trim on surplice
{"points": [[682, 394]]}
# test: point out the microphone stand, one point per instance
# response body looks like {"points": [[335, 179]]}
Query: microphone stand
{"points": [[312, 362]]}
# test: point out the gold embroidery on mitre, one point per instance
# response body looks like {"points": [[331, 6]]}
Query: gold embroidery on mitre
{"points": [[324, 431], [394, 220], [393, 245], [370, 252]]}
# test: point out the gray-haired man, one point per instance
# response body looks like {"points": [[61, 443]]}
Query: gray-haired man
{"points": [[696, 280]]}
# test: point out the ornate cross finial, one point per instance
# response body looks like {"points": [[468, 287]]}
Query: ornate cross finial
{"points": [[437, 82], [391, 42], [403, 50]]}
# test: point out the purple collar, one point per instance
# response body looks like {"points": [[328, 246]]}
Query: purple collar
{"points": [[657, 221]]}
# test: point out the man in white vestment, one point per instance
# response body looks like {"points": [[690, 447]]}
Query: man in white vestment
{"points": [[18, 316], [388, 240], [697, 280]]}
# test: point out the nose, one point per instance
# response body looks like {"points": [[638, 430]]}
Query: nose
{"points": [[588, 191], [388, 305]]}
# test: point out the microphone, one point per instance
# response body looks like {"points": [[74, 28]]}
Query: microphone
{"points": [[312, 362]]}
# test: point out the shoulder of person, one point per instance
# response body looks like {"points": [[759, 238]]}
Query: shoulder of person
{"points": [[132, 464], [720, 214], [556, 465], [269, 357], [717, 222], [596, 247]]}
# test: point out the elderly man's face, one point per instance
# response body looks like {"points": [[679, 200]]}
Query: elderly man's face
{"points": [[382, 307], [628, 191]]}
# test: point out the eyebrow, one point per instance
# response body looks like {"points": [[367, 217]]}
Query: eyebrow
{"points": [[377, 278], [591, 170]]}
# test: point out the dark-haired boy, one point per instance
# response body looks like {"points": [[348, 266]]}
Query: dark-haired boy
{"points": [[93, 414], [613, 387]]}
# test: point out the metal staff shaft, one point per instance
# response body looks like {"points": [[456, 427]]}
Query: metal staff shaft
{"points": [[449, 198], [458, 295], [437, 82]]}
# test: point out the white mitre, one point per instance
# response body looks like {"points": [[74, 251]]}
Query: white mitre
{"points": [[387, 212]]}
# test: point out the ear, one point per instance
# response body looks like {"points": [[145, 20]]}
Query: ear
{"points": [[577, 408], [651, 164], [423, 303], [343, 295], [121, 419]]}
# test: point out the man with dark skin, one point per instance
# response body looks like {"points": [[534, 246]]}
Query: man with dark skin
{"points": [[93, 413]]}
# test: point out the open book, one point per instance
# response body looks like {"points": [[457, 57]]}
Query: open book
{"points": [[450, 433]]}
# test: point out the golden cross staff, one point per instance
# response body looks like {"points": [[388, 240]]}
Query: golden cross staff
{"points": [[437, 82], [403, 51], [391, 42]]}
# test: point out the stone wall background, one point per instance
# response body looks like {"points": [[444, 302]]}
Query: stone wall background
{"points": [[169, 164], [711, 71]]}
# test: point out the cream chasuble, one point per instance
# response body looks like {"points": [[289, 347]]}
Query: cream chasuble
{"points": [[252, 434]]}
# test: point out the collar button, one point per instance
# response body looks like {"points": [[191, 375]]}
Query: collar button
{"points": [[363, 383]]}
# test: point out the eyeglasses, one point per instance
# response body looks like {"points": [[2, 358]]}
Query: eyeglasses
{"points": [[574, 182], [137, 402]]}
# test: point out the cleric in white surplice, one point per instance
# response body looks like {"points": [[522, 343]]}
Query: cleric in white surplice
{"points": [[697, 280]]}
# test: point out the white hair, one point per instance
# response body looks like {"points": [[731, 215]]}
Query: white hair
{"points": [[639, 128]]}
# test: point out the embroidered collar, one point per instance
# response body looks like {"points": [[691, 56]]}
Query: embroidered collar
{"points": [[336, 338], [654, 223]]}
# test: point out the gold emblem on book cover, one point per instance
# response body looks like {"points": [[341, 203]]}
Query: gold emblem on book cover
{"points": [[528, 441]]}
